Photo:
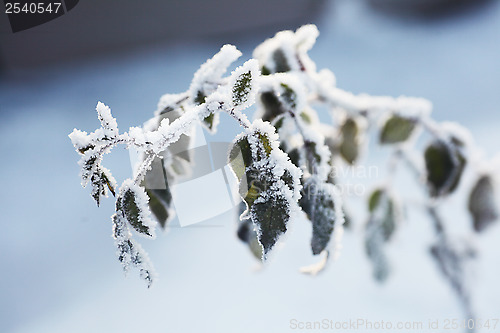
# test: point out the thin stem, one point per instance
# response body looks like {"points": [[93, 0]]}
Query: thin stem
{"points": [[241, 118], [437, 222], [143, 169]]}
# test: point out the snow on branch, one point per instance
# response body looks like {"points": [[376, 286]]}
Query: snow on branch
{"points": [[286, 159]]}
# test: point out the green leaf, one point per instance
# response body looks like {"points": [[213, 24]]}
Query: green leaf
{"points": [[280, 62], [397, 129], [374, 200], [444, 165], [294, 155], [127, 205], [200, 98], [265, 71], [306, 118], [272, 106], [349, 145], [240, 157], [482, 203], [264, 139], [271, 217], [101, 183], [208, 121], [242, 88]]}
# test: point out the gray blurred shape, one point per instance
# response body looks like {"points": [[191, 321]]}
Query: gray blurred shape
{"points": [[96, 27]]}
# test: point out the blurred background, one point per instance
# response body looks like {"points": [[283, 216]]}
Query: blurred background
{"points": [[60, 272]]}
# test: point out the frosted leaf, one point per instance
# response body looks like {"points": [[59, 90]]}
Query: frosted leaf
{"points": [[169, 103], [322, 204], [108, 123], [129, 252], [209, 75], [287, 89], [102, 181], [286, 51], [382, 222], [132, 204], [158, 191], [482, 203], [81, 141], [269, 182], [243, 83], [305, 37], [271, 217]]}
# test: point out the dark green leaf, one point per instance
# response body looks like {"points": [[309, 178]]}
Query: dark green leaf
{"points": [[127, 205], [482, 203], [272, 106], [397, 129], [200, 98], [208, 121], [271, 218], [294, 155], [280, 62], [444, 164]]}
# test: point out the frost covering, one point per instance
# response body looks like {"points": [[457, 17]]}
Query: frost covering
{"points": [[286, 160]]}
